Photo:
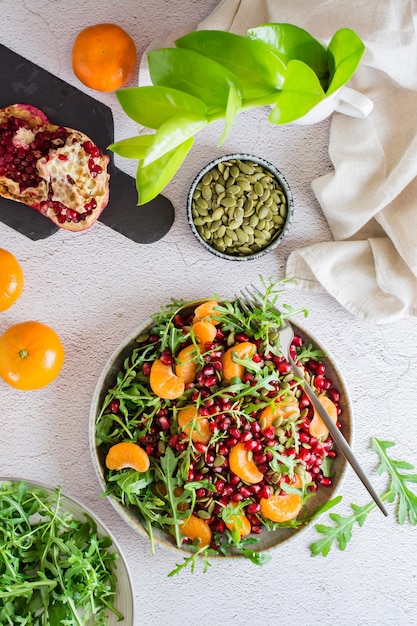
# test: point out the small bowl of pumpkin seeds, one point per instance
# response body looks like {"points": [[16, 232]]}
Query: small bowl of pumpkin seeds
{"points": [[240, 207]]}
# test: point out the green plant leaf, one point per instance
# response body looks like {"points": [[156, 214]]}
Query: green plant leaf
{"points": [[254, 64], [407, 500], [292, 42], [195, 74], [341, 532], [152, 106], [300, 93], [151, 179], [132, 148], [233, 106], [344, 52], [173, 133]]}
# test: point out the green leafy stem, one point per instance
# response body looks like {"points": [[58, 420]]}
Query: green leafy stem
{"points": [[398, 492], [211, 75]]}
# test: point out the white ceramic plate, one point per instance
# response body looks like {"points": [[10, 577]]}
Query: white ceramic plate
{"points": [[267, 539], [124, 601]]}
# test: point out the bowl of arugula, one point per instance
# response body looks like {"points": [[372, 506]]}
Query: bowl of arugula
{"points": [[58, 563], [204, 441]]}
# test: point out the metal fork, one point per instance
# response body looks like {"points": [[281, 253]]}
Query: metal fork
{"points": [[251, 299]]}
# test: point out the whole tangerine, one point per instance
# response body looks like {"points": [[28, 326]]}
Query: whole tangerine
{"points": [[31, 355], [11, 279], [104, 57]]}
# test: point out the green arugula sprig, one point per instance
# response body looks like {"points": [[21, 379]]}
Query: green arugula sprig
{"points": [[54, 569], [211, 75], [398, 492]]}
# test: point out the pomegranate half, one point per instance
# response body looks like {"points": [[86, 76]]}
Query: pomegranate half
{"points": [[56, 170]]}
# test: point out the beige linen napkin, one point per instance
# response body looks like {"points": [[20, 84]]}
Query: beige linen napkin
{"points": [[370, 199]]}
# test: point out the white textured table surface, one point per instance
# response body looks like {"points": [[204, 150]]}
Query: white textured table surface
{"points": [[94, 287]]}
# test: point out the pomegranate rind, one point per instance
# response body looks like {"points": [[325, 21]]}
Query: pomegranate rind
{"points": [[73, 187]]}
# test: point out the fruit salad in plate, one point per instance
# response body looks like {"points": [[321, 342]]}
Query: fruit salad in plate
{"points": [[206, 433]]}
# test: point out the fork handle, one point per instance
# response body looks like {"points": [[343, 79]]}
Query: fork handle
{"points": [[338, 438]]}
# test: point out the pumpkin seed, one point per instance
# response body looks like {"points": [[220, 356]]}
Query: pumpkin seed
{"points": [[203, 514], [217, 214], [258, 189], [206, 192], [228, 202], [241, 235], [245, 167], [219, 460], [207, 178], [234, 171], [202, 203]]}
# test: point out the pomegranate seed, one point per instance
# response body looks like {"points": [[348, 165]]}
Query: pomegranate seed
{"points": [[265, 492], [236, 497], [253, 508], [255, 427], [220, 486], [240, 337], [257, 358], [166, 358], [269, 432], [245, 492], [164, 423], [245, 437], [297, 341], [256, 529], [252, 444], [326, 482], [114, 406], [333, 394], [200, 447], [234, 480]]}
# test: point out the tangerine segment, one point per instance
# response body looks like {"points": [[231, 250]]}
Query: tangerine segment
{"points": [[104, 57], [317, 427], [127, 454], [31, 355], [11, 279], [207, 309], [185, 366], [190, 421], [240, 351], [240, 522], [282, 408], [281, 508], [164, 383], [242, 466], [197, 530], [204, 332]]}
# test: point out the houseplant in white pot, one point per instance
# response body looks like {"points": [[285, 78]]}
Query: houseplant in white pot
{"points": [[211, 75]]}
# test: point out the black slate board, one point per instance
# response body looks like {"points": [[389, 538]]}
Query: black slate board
{"points": [[24, 82]]}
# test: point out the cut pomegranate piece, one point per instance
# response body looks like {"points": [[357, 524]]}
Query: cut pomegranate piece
{"points": [[56, 170]]}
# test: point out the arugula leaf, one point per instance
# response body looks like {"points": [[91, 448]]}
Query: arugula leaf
{"points": [[407, 500], [258, 70], [292, 42], [341, 532], [344, 51], [153, 105], [53, 568], [195, 74]]}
